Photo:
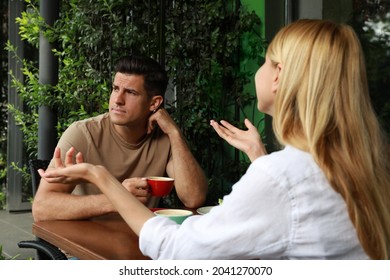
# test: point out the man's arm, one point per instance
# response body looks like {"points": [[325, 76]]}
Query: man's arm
{"points": [[54, 201], [190, 180], [131, 209]]}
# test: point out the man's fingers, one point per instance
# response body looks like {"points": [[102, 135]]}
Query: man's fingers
{"points": [[141, 192], [142, 195]]}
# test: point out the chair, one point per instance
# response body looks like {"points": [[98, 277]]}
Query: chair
{"points": [[45, 250]]}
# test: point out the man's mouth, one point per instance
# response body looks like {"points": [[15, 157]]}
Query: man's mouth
{"points": [[118, 110]]}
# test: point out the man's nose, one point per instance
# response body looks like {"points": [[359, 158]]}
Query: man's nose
{"points": [[119, 97]]}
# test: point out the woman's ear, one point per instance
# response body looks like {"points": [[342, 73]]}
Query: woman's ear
{"points": [[276, 80], [156, 103]]}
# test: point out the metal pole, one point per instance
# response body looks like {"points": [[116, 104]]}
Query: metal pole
{"points": [[15, 152], [48, 75], [162, 33], [288, 12]]}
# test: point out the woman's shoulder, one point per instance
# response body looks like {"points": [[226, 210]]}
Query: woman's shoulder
{"points": [[286, 157], [289, 164]]}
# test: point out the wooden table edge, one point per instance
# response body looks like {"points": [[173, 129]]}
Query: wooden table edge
{"points": [[65, 245]]}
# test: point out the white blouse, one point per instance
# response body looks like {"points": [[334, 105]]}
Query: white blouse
{"points": [[282, 208]]}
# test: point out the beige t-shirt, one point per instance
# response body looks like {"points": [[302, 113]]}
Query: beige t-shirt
{"points": [[100, 144]]}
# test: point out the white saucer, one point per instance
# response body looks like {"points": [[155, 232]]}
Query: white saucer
{"points": [[204, 210]]}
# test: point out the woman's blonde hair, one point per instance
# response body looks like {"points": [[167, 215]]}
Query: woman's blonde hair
{"points": [[323, 106]]}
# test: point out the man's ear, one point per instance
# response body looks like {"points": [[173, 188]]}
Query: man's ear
{"points": [[276, 80], [156, 103]]}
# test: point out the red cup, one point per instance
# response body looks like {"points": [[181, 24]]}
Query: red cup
{"points": [[160, 186]]}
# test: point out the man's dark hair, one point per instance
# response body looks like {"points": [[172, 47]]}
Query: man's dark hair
{"points": [[155, 77]]}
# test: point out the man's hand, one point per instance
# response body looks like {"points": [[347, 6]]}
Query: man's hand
{"points": [[138, 187], [162, 118], [190, 181]]}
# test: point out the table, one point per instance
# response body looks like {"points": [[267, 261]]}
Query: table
{"points": [[106, 237]]}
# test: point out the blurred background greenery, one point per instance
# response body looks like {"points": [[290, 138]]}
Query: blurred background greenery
{"points": [[210, 49]]}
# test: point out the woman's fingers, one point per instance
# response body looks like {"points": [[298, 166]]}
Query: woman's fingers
{"points": [[249, 125], [70, 159], [57, 158], [226, 130], [219, 129], [230, 128], [50, 176], [74, 173], [69, 156], [79, 157]]}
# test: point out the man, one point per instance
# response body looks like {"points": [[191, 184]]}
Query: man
{"points": [[135, 139]]}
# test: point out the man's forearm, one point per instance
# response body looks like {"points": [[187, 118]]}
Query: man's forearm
{"points": [[190, 180], [63, 206]]}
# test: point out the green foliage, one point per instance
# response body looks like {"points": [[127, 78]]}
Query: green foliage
{"points": [[204, 56], [1, 253], [3, 101], [3, 177], [2, 257], [31, 24], [2, 200], [202, 43], [371, 20]]}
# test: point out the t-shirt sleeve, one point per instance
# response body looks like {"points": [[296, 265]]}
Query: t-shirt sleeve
{"points": [[74, 136]]}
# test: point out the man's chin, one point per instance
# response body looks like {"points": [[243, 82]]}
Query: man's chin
{"points": [[117, 119]]}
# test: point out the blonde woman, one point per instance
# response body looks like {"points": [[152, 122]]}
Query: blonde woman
{"points": [[324, 196]]}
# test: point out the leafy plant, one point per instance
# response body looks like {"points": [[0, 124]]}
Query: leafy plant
{"points": [[2, 199], [3, 176], [2, 257], [3, 101], [202, 52], [1, 253], [204, 56], [371, 21]]}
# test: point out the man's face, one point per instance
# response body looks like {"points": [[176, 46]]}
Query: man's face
{"points": [[129, 101]]}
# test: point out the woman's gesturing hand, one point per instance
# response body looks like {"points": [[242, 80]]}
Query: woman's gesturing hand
{"points": [[67, 172], [248, 141]]}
